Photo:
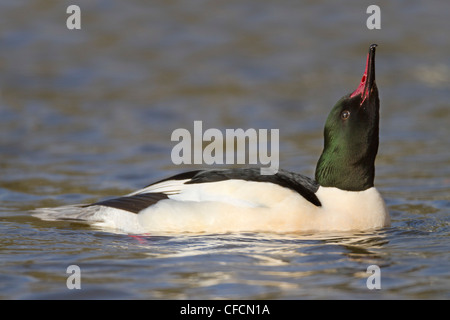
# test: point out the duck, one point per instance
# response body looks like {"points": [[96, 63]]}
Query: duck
{"points": [[340, 197]]}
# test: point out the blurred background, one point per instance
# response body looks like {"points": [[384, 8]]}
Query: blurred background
{"points": [[86, 114], [102, 102]]}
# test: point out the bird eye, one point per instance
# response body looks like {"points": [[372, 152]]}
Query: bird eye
{"points": [[345, 114]]}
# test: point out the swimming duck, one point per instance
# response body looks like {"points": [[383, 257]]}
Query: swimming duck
{"points": [[341, 197]]}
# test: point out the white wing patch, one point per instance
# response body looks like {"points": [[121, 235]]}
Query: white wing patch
{"points": [[235, 192], [168, 187]]}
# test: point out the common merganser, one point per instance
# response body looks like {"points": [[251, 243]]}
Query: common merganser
{"points": [[342, 196]]}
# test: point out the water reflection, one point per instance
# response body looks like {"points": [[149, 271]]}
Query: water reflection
{"points": [[281, 263], [271, 249]]}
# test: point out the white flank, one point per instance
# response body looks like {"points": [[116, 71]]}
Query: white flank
{"points": [[236, 206]]}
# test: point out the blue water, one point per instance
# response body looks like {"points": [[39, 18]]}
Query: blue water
{"points": [[88, 114]]}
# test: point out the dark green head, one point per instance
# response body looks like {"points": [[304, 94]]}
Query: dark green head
{"points": [[351, 136]]}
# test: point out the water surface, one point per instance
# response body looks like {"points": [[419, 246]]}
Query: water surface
{"points": [[87, 114]]}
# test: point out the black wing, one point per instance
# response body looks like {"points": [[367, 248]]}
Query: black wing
{"points": [[134, 203]]}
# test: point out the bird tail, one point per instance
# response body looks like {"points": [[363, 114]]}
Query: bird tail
{"points": [[78, 212]]}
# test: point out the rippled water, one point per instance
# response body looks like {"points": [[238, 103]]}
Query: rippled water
{"points": [[87, 114]]}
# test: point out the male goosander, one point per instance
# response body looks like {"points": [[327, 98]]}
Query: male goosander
{"points": [[342, 196]]}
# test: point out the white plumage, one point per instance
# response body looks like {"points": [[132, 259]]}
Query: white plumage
{"points": [[235, 205]]}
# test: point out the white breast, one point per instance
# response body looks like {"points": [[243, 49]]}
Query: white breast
{"points": [[352, 210]]}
